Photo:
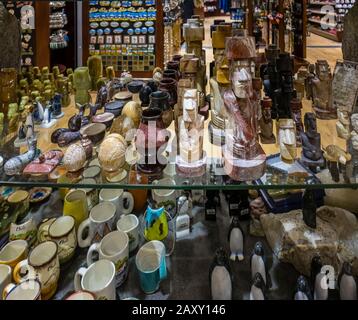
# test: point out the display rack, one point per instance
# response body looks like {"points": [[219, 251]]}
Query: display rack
{"points": [[63, 37], [326, 17], [131, 38]]}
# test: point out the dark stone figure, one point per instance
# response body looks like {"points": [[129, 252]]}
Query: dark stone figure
{"points": [[10, 40], [309, 208]]}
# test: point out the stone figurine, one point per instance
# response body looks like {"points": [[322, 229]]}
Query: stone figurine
{"points": [[258, 290], [236, 240], [38, 111], [15, 165], [266, 123], [312, 155], [95, 67], [347, 283], [296, 107], [82, 85], [321, 84], [258, 264], [102, 96], [48, 121], [57, 106], [220, 278], [309, 208], [303, 291], [318, 276], [244, 158]]}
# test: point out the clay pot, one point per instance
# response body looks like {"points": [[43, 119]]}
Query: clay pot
{"points": [[177, 57], [170, 86], [144, 94], [135, 86], [160, 100], [171, 74], [105, 118], [173, 65], [115, 107]]}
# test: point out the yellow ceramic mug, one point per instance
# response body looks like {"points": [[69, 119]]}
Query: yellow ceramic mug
{"points": [[76, 206], [27, 290], [13, 253], [42, 264]]}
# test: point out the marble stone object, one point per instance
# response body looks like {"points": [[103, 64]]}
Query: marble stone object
{"points": [[335, 238]]}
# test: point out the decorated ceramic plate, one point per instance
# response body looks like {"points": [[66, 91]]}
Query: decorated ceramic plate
{"points": [[94, 25], [138, 24], [125, 24], [39, 194], [104, 24], [117, 30], [149, 23], [42, 232], [114, 24]]}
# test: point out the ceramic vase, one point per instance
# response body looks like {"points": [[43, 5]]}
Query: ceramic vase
{"points": [[160, 100]]}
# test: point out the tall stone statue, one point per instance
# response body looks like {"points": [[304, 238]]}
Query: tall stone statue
{"points": [[10, 40]]}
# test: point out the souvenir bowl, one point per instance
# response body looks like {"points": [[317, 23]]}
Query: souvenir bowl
{"points": [[135, 86], [39, 194], [105, 118], [115, 107], [94, 131]]}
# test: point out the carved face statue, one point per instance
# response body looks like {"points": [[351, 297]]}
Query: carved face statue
{"points": [[266, 113], [354, 119], [310, 122], [323, 70], [241, 83]]}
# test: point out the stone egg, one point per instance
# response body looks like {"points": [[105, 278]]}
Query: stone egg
{"points": [[133, 110], [111, 154], [74, 158]]}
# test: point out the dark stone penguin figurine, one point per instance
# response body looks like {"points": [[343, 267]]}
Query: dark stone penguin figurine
{"points": [[236, 240], [347, 283], [303, 291], [220, 276], [258, 288], [309, 208], [258, 264], [319, 280]]}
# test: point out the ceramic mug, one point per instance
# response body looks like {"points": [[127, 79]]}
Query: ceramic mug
{"points": [[63, 232], [26, 290], [42, 264], [25, 231], [113, 247], [130, 225], [98, 278], [20, 202], [5, 277], [164, 197], [12, 253], [75, 205], [91, 193], [99, 223], [81, 295], [151, 264], [123, 200]]}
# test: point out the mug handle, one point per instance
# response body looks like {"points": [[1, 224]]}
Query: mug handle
{"points": [[128, 196], [23, 271], [78, 277], [83, 243], [7, 290], [93, 248]]}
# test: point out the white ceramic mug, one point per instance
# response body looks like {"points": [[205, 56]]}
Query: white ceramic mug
{"points": [[123, 200], [26, 290], [166, 198], [63, 232], [98, 278], [42, 264], [5, 277], [99, 223], [113, 247], [130, 225]]}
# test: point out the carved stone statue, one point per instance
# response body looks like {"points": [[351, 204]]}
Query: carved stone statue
{"points": [[244, 159], [296, 107], [266, 123], [322, 91], [312, 155]]}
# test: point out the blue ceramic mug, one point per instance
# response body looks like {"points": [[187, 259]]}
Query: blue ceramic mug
{"points": [[151, 265]]}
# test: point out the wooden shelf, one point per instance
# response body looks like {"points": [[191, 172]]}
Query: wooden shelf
{"points": [[335, 37], [319, 22], [320, 12], [323, 3]]}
